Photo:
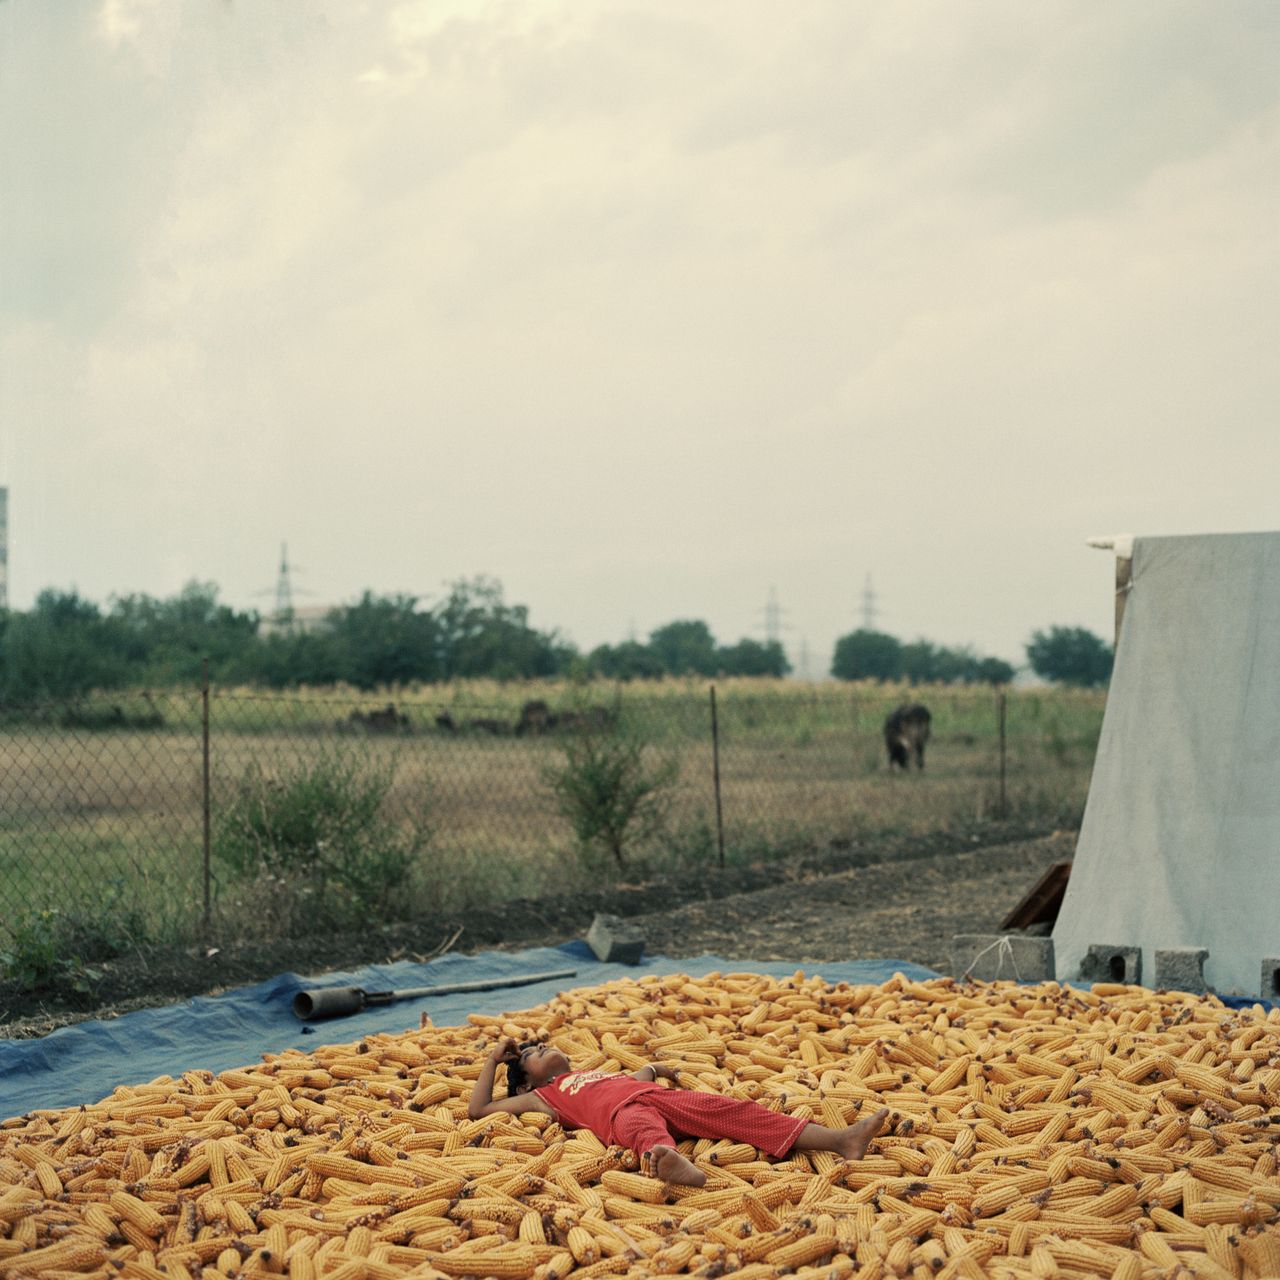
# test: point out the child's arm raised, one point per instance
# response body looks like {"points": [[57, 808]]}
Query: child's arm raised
{"points": [[482, 1103]]}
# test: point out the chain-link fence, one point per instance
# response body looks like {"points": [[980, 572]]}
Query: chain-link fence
{"points": [[217, 814]]}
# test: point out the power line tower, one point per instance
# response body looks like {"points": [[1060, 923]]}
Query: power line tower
{"points": [[284, 588], [773, 624], [283, 616], [869, 610], [775, 621]]}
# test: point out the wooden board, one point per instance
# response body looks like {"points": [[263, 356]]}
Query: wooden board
{"points": [[1041, 903]]}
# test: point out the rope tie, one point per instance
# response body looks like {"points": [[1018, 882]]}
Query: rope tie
{"points": [[1004, 949]]}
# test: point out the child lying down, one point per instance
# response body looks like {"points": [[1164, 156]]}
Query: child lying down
{"points": [[635, 1111]]}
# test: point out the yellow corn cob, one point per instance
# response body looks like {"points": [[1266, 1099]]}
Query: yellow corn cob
{"points": [[1044, 1266], [1174, 1224], [950, 1076], [1128, 1268], [514, 1262], [1226, 1176], [1220, 1248], [1086, 1167], [762, 1217], [1115, 1201], [799, 1253], [694, 1221], [995, 1199], [1154, 1246], [635, 1186], [228, 1261], [899, 1256], [756, 1247], [1246, 1212], [140, 1215], [729, 1200], [1123, 1094], [531, 1229], [1262, 1254], [674, 1257], [1019, 1240], [582, 1244], [490, 1208], [1081, 1227], [556, 1267]]}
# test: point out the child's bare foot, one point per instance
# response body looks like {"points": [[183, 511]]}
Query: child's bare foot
{"points": [[854, 1140], [669, 1165]]}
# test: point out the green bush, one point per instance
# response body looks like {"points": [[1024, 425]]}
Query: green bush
{"points": [[609, 792], [33, 957], [51, 949], [322, 829]]}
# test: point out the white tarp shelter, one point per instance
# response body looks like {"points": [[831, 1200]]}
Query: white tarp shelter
{"points": [[1180, 844]]}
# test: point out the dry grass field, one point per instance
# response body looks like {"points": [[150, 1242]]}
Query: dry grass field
{"points": [[110, 818]]}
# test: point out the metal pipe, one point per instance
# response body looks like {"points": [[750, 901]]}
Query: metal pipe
{"points": [[337, 1002]]}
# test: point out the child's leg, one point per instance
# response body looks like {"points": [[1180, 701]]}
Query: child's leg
{"points": [[851, 1143], [709, 1115], [643, 1129]]}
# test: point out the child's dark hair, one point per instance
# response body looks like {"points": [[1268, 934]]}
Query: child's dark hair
{"points": [[516, 1078]]}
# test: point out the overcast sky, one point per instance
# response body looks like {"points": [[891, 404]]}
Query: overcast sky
{"points": [[643, 308]]}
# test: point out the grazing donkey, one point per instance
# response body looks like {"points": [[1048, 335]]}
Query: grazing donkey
{"points": [[906, 730]]}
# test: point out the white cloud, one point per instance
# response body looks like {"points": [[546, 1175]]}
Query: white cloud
{"points": [[689, 297]]}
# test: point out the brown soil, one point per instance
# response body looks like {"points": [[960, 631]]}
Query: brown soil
{"points": [[902, 898]]}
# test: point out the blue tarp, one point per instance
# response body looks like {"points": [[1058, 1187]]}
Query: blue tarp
{"points": [[82, 1063]]}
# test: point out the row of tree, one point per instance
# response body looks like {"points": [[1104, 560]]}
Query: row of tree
{"points": [[1068, 655], [873, 655], [67, 645]]}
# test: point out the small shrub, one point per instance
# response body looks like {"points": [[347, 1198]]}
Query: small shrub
{"points": [[37, 956], [610, 794], [55, 950], [117, 922], [321, 832], [33, 957], [693, 845]]}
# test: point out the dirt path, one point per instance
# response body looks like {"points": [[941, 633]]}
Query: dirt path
{"points": [[900, 910], [902, 898]]}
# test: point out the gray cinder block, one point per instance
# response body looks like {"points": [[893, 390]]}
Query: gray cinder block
{"points": [[1181, 969], [1009, 957], [1269, 983], [614, 940], [1106, 963]]}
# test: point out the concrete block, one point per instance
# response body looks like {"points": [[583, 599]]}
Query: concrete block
{"points": [[1008, 957], [615, 940], [1269, 983], [1104, 962], [1181, 969]]}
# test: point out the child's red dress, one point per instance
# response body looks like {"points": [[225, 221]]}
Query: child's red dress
{"points": [[621, 1110]]}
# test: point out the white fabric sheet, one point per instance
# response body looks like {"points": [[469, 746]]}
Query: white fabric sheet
{"points": [[1180, 845]]}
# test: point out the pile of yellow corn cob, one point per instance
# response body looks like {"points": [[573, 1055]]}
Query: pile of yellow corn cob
{"points": [[1035, 1131]]}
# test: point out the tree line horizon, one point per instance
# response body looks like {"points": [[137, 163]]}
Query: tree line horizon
{"points": [[66, 646]]}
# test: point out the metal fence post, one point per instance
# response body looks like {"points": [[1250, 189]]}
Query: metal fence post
{"points": [[204, 789], [715, 769], [1003, 801], [854, 712]]}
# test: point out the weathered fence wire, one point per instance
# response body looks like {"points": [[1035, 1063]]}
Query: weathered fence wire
{"points": [[206, 813]]}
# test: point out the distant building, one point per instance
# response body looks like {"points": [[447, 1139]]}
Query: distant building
{"points": [[309, 617]]}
